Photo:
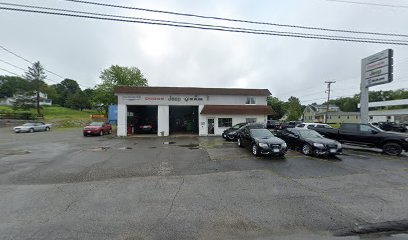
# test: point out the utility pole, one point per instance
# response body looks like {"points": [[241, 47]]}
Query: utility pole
{"points": [[328, 98], [38, 96]]}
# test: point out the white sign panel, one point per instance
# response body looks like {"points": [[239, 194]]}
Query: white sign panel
{"points": [[377, 80], [377, 56], [377, 64], [377, 69], [376, 72]]}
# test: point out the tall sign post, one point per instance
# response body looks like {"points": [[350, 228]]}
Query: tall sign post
{"points": [[375, 70]]}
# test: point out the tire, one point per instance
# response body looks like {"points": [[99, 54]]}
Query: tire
{"points": [[31, 130], [101, 133], [239, 143], [307, 149], [393, 149], [255, 150], [85, 135], [47, 129], [229, 138]]}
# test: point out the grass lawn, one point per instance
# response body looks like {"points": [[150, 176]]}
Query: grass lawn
{"points": [[61, 116]]}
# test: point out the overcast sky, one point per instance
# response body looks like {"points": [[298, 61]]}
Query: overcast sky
{"points": [[79, 48]]}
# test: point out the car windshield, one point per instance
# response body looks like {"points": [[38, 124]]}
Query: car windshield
{"points": [[97, 124], [236, 126], [261, 133], [28, 124], [310, 134]]}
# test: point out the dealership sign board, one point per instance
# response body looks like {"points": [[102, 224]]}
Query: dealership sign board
{"points": [[377, 69]]}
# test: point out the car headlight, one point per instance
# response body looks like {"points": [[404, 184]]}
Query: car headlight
{"points": [[263, 145], [284, 145], [338, 145], [318, 145], [406, 139], [232, 133]]}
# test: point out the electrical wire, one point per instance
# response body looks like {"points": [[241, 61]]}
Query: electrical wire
{"points": [[10, 72], [235, 20], [206, 28], [5, 49], [197, 24], [19, 56], [368, 3]]}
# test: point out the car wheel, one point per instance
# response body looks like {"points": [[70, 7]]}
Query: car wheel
{"points": [[47, 129], [255, 150], [85, 135], [230, 138], [239, 143], [31, 130], [393, 149], [307, 149], [101, 133]]}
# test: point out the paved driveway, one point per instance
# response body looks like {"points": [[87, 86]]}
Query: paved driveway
{"points": [[61, 185]]}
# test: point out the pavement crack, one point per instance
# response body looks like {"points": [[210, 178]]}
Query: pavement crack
{"points": [[174, 198]]}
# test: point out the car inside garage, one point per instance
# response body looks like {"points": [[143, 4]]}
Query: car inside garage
{"points": [[142, 119], [183, 119]]}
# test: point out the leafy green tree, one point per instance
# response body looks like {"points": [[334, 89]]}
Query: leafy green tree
{"points": [[78, 100], [115, 76], [24, 100], [294, 109], [36, 76], [64, 89], [10, 85], [277, 105]]}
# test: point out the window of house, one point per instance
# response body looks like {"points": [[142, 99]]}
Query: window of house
{"points": [[250, 100], [356, 116], [250, 120], [348, 117], [339, 117], [224, 122]]}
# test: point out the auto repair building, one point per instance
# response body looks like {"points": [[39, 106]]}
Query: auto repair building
{"points": [[179, 110]]}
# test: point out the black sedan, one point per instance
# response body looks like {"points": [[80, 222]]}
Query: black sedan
{"points": [[232, 132], [261, 141], [310, 142]]}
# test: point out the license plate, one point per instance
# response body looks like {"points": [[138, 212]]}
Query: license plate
{"points": [[89, 131], [145, 126], [276, 150], [333, 150]]}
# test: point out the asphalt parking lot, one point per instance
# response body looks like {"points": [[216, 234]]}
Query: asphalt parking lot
{"points": [[61, 185]]}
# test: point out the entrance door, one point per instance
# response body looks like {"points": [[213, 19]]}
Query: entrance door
{"points": [[210, 125]]}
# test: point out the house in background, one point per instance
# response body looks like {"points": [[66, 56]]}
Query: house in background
{"points": [[317, 113], [44, 101]]}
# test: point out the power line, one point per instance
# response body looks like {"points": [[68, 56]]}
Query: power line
{"points": [[194, 24], [10, 72], [368, 3], [19, 56], [25, 59], [8, 63], [236, 20], [219, 28]]}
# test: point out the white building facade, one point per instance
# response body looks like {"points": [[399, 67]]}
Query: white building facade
{"points": [[201, 111]]}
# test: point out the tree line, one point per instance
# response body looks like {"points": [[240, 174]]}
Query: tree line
{"points": [[293, 109], [68, 93]]}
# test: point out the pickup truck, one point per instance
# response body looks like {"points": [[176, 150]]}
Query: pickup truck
{"points": [[367, 135]]}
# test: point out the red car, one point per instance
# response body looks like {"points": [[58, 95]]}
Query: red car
{"points": [[97, 128]]}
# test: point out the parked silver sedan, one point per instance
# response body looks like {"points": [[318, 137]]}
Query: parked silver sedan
{"points": [[32, 127]]}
